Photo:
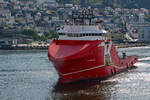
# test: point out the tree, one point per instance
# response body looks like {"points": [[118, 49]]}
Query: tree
{"points": [[31, 32], [42, 38], [48, 35], [28, 32], [147, 18], [117, 37], [51, 35]]}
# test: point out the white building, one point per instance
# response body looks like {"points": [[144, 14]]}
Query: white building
{"points": [[50, 3], [10, 20], [55, 18], [68, 5], [38, 16], [145, 34], [141, 17], [5, 13], [136, 29]]}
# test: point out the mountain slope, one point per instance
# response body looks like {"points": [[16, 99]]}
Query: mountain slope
{"points": [[112, 3]]}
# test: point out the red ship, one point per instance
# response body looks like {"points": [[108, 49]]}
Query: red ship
{"points": [[84, 52]]}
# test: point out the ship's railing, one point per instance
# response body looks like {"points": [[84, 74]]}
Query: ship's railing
{"points": [[84, 36], [65, 37], [79, 32], [80, 29]]}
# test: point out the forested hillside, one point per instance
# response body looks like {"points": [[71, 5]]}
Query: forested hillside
{"points": [[112, 3]]}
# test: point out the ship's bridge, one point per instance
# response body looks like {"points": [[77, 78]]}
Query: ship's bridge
{"points": [[81, 32]]}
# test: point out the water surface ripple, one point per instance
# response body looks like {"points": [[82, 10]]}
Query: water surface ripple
{"points": [[28, 75]]}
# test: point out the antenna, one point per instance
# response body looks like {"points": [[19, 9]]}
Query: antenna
{"points": [[82, 15]]}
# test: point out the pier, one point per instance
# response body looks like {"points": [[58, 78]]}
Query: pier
{"points": [[26, 47], [124, 45], [44, 46]]}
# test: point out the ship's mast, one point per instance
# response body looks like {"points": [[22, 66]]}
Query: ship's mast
{"points": [[81, 16]]}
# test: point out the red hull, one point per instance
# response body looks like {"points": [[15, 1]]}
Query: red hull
{"points": [[77, 60]]}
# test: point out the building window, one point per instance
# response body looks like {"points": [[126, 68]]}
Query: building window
{"points": [[61, 33], [142, 35], [148, 34]]}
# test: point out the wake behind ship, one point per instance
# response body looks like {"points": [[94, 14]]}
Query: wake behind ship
{"points": [[84, 52]]}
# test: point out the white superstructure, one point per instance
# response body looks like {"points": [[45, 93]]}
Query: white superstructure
{"points": [[81, 32], [81, 29]]}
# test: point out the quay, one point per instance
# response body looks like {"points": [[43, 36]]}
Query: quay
{"points": [[124, 45], [44, 46]]}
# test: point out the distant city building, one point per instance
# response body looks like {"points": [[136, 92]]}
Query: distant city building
{"points": [[138, 30], [141, 17], [145, 34], [50, 3], [68, 5], [46, 15], [38, 16], [5, 13]]}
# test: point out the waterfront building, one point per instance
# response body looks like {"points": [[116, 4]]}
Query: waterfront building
{"points": [[141, 17], [5, 13], [38, 16], [145, 34], [139, 31], [10, 20]]}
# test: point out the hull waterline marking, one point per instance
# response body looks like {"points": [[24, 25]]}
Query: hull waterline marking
{"points": [[83, 70]]}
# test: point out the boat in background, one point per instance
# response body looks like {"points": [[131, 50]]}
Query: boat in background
{"points": [[83, 51]]}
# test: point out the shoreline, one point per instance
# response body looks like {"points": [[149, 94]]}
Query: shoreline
{"points": [[25, 48], [45, 47], [130, 45]]}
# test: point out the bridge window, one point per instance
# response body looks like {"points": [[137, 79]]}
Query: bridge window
{"points": [[70, 35], [61, 33], [81, 35]]}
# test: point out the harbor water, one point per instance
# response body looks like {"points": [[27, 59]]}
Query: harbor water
{"points": [[29, 75]]}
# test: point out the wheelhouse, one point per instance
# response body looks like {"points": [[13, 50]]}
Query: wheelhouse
{"points": [[77, 32], [82, 27]]}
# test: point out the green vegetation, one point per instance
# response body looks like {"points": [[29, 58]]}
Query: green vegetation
{"points": [[51, 35], [36, 37], [116, 37], [147, 18], [31, 33], [111, 3]]}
